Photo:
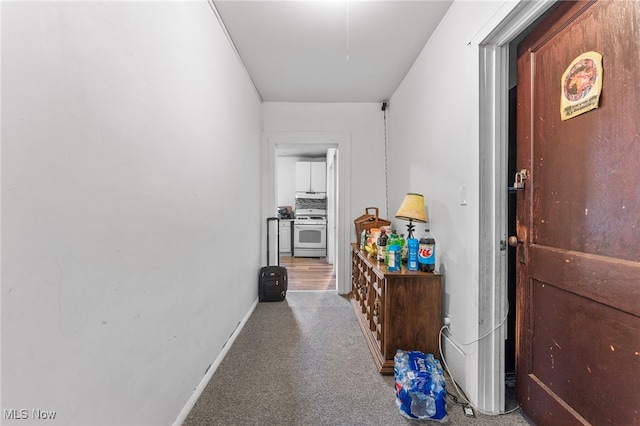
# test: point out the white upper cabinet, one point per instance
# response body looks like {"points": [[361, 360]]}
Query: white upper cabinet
{"points": [[311, 176], [303, 176], [318, 177]]}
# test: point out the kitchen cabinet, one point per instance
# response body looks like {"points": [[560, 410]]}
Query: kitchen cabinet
{"points": [[311, 176], [395, 310], [285, 236]]}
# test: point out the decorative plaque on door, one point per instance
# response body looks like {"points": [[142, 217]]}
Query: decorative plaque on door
{"points": [[581, 85]]}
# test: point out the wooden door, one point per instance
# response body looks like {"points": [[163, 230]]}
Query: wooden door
{"points": [[578, 219]]}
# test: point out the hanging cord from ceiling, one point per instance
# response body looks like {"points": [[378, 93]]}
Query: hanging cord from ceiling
{"points": [[386, 174]]}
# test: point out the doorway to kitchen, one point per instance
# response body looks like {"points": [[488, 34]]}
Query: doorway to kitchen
{"points": [[308, 251], [338, 208]]}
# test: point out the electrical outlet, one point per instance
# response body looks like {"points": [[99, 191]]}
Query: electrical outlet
{"points": [[447, 319], [468, 411]]}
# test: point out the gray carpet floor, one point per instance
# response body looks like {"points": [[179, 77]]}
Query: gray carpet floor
{"points": [[304, 361]]}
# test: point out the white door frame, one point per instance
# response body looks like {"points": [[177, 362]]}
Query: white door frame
{"points": [[342, 143], [332, 211], [494, 115]]}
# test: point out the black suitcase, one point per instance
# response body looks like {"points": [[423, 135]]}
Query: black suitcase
{"points": [[272, 281]]}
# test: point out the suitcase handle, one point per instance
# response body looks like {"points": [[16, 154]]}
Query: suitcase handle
{"points": [[270, 219]]}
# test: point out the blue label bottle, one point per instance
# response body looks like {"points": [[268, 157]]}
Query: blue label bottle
{"points": [[427, 253], [412, 254]]}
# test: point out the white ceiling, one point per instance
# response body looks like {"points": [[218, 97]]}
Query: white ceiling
{"points": [[329, 51]]}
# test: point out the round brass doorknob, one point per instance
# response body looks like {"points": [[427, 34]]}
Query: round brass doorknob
{"points": [[514, 241]]}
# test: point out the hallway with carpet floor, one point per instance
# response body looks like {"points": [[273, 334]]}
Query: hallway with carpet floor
{"points": [[304, 361]]}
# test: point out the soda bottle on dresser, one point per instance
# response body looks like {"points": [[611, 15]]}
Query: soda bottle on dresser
{"points": [[382, 244], [427, 252]]}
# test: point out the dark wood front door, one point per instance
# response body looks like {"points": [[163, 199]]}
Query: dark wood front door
{"points": [[578, 222]]}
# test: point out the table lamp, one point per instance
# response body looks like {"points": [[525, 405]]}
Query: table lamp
{"points": [[412, 208]]}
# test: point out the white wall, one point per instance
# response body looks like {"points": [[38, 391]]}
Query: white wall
{"points": [[364, 121], [434, 116], [286, 181], [130, 206]]}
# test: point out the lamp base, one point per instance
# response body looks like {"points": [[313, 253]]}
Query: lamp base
{"points": [[410, 228]]}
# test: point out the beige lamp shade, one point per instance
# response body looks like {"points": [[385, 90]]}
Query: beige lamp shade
{"points": [[412, 208]]}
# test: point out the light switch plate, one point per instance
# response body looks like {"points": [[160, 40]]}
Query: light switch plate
{"points": [[463, 195]]}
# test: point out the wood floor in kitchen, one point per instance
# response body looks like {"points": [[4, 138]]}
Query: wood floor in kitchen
{"points": [[309, 273]]}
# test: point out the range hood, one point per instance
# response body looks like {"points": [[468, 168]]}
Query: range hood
{"points": [[312, 195]]}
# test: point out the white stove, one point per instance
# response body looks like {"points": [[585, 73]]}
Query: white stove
{"points": [[310, 233], [311, 220], [311, 216]]}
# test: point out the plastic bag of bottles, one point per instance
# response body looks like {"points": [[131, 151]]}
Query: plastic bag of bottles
{"points": [[420, 386]]}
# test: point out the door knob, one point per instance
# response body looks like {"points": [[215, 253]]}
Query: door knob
{"points": [[522, 252], [514, 241]]}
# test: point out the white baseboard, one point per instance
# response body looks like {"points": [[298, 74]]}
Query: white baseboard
{"points": [[212, 369]]}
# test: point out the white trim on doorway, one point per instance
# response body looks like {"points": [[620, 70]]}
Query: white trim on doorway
{"points": [[342, 143], [494, 110]]}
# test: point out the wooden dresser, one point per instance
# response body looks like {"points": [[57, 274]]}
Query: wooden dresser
{"points": [[396, 310]]}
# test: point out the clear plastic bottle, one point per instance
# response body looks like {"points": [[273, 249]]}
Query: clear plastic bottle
{"points": [[394, 258], [392, 240], [401, 357], [401, 367], [422, 405], [403, 247]]}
